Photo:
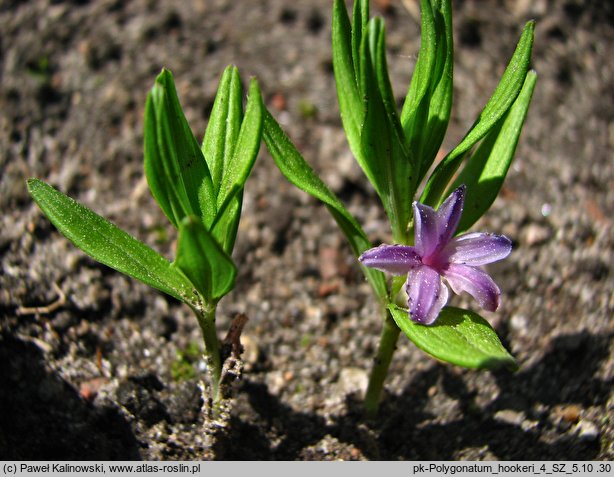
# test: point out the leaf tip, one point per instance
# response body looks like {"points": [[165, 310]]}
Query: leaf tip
{"points": [[31, 182], [529, 29], [164, 79], [508, 362]]}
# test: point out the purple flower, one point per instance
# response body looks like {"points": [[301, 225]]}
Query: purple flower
{"points": [[438, 254]]}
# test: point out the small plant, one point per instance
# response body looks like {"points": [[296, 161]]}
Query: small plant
{"points": [[198, 187], [396, 150], [183, 368]]}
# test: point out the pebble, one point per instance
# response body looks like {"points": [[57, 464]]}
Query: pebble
{"points": [[251, 352], [89, 389], [535, 234], [587, 431], [278, 101], [328, 288], [528, 425], [570, 413], [509, 416], [275, 382], [519, 323], [352, 380]]}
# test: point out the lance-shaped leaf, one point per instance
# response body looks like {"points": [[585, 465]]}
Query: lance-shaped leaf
{"points": [[376, 31], [231, 146], [226, 224], [459, 337], [203, 261], [108, 244], [345, 65], [224, 125], [298, 172], [504, 96], [360, 19], [237, 169], [175, 168], [239, 166], [485, 170], [382, 137], [426, 111]]}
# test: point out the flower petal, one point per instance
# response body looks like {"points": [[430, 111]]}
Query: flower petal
{"points": [[425, 227], [434, 229], [426, 293], [394, 259], [449, 214], [478, 249], [476, 282]]}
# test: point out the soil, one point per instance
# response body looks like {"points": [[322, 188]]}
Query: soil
{"points": [[94, 365]]}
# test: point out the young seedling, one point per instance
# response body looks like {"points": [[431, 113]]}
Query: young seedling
{"points": [[396, 149], [198, 187]]}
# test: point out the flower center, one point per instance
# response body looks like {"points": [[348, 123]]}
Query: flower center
{"points": [[435, 260]]}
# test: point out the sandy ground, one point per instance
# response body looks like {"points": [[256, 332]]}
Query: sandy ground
{"points": [[109, 370]]}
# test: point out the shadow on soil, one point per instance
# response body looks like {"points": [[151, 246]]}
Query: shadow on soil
{"points": [[563, 376], [44, 418]]}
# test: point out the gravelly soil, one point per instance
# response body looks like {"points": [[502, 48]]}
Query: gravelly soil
{"points": [[95, 376]]}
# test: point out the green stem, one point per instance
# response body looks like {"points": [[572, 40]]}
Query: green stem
{"points": [[400, 234], [381, 363], [389, 336], [206, 320]]}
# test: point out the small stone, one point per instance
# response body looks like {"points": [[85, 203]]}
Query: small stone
{"points": [[535, 234], [509, 416], [546, 209], [251, 352], [352, 380], [528, 425], [570, 413], [328, 288], [275, 382], [519, 323], [587, 431], [88, 390], [278, 101]]}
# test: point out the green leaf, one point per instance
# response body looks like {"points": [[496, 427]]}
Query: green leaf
{"points": [[108, 244], [345, 57], [426, 111], [486, 169], [226, 223], [504, 96], [224, 125], [237, 170], [298, 172], [377, 46], [386, 157], [417, 101], [239, 166], [368, 111], [458, 336], [203, 261], [176, 170], [360, 20]]}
